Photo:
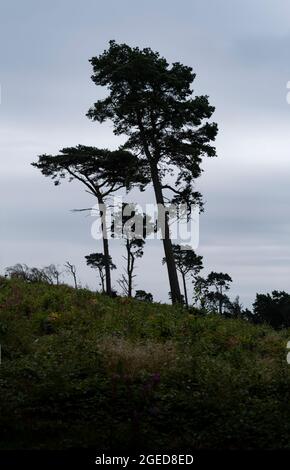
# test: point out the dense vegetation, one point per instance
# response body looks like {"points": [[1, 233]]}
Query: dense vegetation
{"points": [[84, 370]]}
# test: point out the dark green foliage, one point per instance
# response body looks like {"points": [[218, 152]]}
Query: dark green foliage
{"points": [[234, 309], [146, 93], [98, 261], [83, 370], [187, 263], [143, 296], [272, 309], [95, 168], [211, 292]]}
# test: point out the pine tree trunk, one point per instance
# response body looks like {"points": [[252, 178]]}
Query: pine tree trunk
{"points": [[102, 281], [130, 286], [129, 270], [102, 209], [167, 244], [107, 265], [185, 290]]}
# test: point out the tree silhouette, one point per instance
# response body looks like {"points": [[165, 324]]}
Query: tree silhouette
{"points": [[221, 283], [234, 309], [133, 226], [98, 261], [102, 172], [187, 263], [273, 309], [49, 274], [152, 103], [134, 249], [210, 291], [201, 290], [52, 273], [143, 296], [71, 269]]}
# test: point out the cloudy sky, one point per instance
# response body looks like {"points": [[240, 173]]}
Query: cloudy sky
{"points": [[240, 52]]}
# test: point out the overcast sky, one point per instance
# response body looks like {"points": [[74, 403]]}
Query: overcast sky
{"points": [[240, 53]]}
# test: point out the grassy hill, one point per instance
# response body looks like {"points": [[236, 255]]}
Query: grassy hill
{"points": [[83, 370]]}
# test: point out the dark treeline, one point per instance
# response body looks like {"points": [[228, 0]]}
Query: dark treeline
{"points": [[209, 293]]}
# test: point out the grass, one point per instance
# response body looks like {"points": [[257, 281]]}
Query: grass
{"points": [[81, 370]]}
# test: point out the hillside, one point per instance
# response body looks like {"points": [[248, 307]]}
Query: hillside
{"points": [[83, 370]]}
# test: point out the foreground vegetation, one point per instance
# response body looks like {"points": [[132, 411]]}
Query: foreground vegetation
{"points": [[83, 370]]}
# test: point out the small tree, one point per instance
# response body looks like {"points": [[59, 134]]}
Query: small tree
{"points": [[18, 271], [221, 283], [187, 263], [134, 249], [52, 273], [143, 296], [201, 290], [133, 227], [101, 171], [98, 261], [39, 275], [71, 269], [22, 271], [152, 103], [210, 291], [234, 309]]}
